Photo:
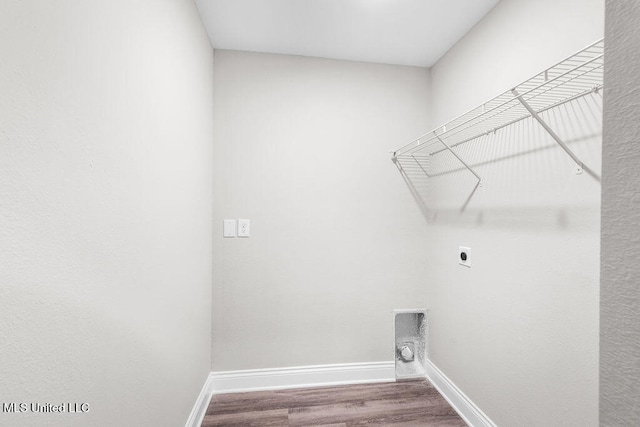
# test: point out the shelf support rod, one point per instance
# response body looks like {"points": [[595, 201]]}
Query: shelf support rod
{"points": [[420, 166], [460, 159], [581, 166]]}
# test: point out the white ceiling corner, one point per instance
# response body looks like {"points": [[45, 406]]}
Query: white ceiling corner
{"points": [[404, 32]]}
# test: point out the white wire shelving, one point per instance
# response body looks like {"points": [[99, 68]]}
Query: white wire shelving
{"points": [[566, 81]]}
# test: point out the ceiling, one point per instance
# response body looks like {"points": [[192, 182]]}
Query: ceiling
{"points": [[405, 32]]}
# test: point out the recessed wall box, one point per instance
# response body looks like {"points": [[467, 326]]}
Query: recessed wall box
{"points": [[410, 343]]}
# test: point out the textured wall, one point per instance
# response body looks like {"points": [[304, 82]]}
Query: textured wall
{"points": [[518, 332], [105, 209], [337, 243], [620, 294]]}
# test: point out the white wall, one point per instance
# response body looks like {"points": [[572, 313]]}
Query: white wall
{"points": [[105, 209], [620, 298], [516, 40], [302, 151], [518, 332]]}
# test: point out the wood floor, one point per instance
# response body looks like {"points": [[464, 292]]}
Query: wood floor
{"points": [[411, 403]]}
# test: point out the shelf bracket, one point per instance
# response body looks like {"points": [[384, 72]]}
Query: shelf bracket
{"points": [[559, 141], [469, 168], [420, 166]]}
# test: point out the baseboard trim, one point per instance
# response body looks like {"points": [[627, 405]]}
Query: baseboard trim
{"points": [[303, 376], [468, 410], [202, 403], [327, 375]]}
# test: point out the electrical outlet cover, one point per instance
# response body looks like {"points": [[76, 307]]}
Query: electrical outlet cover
{"points": [[244, 227], [464, 256]]}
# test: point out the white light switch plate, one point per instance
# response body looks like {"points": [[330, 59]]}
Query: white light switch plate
{"points": [[229, 228], [243, 227]]}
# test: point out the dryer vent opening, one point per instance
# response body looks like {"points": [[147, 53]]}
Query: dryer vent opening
{"points": [[410, 343]]}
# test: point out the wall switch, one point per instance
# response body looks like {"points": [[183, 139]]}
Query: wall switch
{"points": [[243, 227], [229, 228], [464, 256]]}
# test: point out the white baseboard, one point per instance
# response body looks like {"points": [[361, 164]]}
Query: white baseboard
{"points": [[304, 376], [327, 375], [201, 405], [468, 410]]}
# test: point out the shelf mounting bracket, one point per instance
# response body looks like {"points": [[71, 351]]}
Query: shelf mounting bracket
{"points": [[469, 168], [556, 138], [420, 166]]}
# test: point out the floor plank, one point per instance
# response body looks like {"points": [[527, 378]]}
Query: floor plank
{"points": [[291, 398], [408, 403], [373, 410], [453, 421], [276, 417]]}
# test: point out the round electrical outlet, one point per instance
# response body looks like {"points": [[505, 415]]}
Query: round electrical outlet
{"points": [[464, 254]]}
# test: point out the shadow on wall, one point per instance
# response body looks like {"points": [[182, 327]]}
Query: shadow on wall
{"points": [[526, 176]]}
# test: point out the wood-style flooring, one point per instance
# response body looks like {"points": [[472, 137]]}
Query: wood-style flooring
{"points": [[409, 403]]}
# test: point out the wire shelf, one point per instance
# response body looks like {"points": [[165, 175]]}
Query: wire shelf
{"points": [[566, 81]]}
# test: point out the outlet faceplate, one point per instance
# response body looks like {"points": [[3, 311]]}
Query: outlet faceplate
{"points": [[464, 256], [243, 228]]}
